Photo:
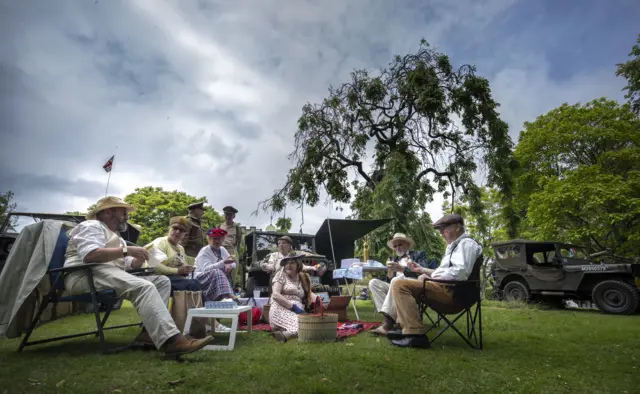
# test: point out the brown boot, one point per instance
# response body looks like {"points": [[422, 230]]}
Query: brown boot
{"points": [[143, 341], [185, 346]]}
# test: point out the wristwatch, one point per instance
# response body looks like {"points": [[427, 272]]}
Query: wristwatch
{"points": [[124, 251]]}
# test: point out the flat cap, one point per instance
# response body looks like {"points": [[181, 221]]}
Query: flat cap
{"points": [[448, 220], [196, 205], [229, 208], [286, 238], [180, 220]]}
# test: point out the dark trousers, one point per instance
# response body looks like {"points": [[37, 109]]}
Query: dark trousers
{"points": [[180, 283]]}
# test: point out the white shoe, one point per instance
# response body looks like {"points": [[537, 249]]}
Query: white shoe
{"points": [[222, 328]]}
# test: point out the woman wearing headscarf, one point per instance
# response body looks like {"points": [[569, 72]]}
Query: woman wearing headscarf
{"points": [[174, 266], [291, 293], [212, 262]]}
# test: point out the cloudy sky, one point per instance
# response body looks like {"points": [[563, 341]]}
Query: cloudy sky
{"points": [[203, 96]]}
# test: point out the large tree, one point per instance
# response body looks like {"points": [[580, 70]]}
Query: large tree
{"points": [[579, 176], [417, 128], [155, 206], [631, 71]]}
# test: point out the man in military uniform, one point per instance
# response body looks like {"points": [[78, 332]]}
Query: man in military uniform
{"points": [[232, 240], [195, 239]]}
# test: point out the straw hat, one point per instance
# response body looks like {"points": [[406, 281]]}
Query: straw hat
{"points": [[400, 237], [291, 256], [109, 202]]}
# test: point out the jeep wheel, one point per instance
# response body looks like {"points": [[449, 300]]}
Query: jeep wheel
{"points": [[516, 291], [616, 297]]}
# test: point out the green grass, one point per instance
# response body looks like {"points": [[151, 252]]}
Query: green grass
{"points": [[527, 350]]}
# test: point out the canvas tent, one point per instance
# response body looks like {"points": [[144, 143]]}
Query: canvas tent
{"points": [[335, 237]]}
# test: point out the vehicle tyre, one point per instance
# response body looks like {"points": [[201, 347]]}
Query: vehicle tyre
{"points": [[616, 297], [516, 291]]}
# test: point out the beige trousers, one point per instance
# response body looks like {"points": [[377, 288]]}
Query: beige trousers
{"points": [[148, 294], [382, 296], [406, 292]]}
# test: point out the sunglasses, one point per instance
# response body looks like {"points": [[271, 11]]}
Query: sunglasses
{"points": [[178, 229]]}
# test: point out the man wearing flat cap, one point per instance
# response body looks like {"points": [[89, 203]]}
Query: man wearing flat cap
{"points": [[233, 239], [457, 264], [195, 238], [97, 241]]}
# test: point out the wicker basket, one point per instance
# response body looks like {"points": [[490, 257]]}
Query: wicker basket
{"points": [[320, 327]]}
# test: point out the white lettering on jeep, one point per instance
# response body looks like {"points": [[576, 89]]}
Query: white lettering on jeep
{"points": [[594, 268]]}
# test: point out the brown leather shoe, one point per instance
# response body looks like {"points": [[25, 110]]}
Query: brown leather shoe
{"points": [[186, 346], [143, 341]]}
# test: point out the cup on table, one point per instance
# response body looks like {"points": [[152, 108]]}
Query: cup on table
{"points": [[256, 294]]}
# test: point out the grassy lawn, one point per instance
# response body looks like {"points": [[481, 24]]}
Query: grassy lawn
{"points": [[526, 350]]}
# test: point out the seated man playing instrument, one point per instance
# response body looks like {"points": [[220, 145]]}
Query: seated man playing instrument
{"points": [[175, 266], [97, 241], [403, 266], [456, 265]]}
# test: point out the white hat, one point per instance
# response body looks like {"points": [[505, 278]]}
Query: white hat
{"points": [[401, 237]]}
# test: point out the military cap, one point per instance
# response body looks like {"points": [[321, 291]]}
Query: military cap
{"points": [[448, 220], [229, 208], [196, 205]]}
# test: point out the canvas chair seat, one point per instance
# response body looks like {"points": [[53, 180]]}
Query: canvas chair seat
{"points": [[56, 272], [466, 295]]}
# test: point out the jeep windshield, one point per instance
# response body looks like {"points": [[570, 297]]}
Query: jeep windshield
{"points": [[270, 242], [574, 252]]}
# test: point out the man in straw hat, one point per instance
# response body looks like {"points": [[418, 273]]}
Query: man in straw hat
{"points": [[404, 265], [457, 264], [97, 241]]}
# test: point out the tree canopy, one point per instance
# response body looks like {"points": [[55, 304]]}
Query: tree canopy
{"points": [[418, 127], [155, 207], [579, 176], [283, 224], [631, 71]]}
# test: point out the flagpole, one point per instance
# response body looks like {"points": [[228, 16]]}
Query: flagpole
{"points": [[110, 171]]}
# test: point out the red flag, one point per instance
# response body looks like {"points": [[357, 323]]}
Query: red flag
{"points": [[107, 166]]}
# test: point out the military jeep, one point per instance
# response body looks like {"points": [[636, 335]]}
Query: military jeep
{"points": [[552, 270], [259, 244]]}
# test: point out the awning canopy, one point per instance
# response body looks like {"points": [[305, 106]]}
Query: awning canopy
{"points": [[344, 233]]}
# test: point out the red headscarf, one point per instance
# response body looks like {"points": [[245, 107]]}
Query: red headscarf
{"points": [[216, 232]]}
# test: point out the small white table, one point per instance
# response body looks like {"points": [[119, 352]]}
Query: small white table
{"points": [[222, 313]]}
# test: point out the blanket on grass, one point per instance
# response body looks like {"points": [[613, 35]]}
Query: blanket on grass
{"points": [[345, 329]]}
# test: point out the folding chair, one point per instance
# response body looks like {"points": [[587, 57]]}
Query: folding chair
{"points": [[56, 273], [466, 294]]}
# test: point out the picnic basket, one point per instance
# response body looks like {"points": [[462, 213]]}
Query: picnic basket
{"points": [[317, 327]]}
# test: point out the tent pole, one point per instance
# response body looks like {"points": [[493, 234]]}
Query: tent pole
{"points": [[333, 253]]}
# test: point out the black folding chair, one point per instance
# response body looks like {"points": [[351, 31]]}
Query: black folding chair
{"points": [[56, 273], [466, 295]]}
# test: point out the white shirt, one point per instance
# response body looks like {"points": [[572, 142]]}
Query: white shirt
{"points": [[206, 260], [458, 260], [90, 235]]}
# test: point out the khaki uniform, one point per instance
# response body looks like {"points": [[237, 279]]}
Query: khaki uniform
{"points": [[232, 244], [195, 238]]}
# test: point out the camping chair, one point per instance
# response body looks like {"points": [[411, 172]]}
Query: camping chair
{"points": [[56, 273], [466, 294]]}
